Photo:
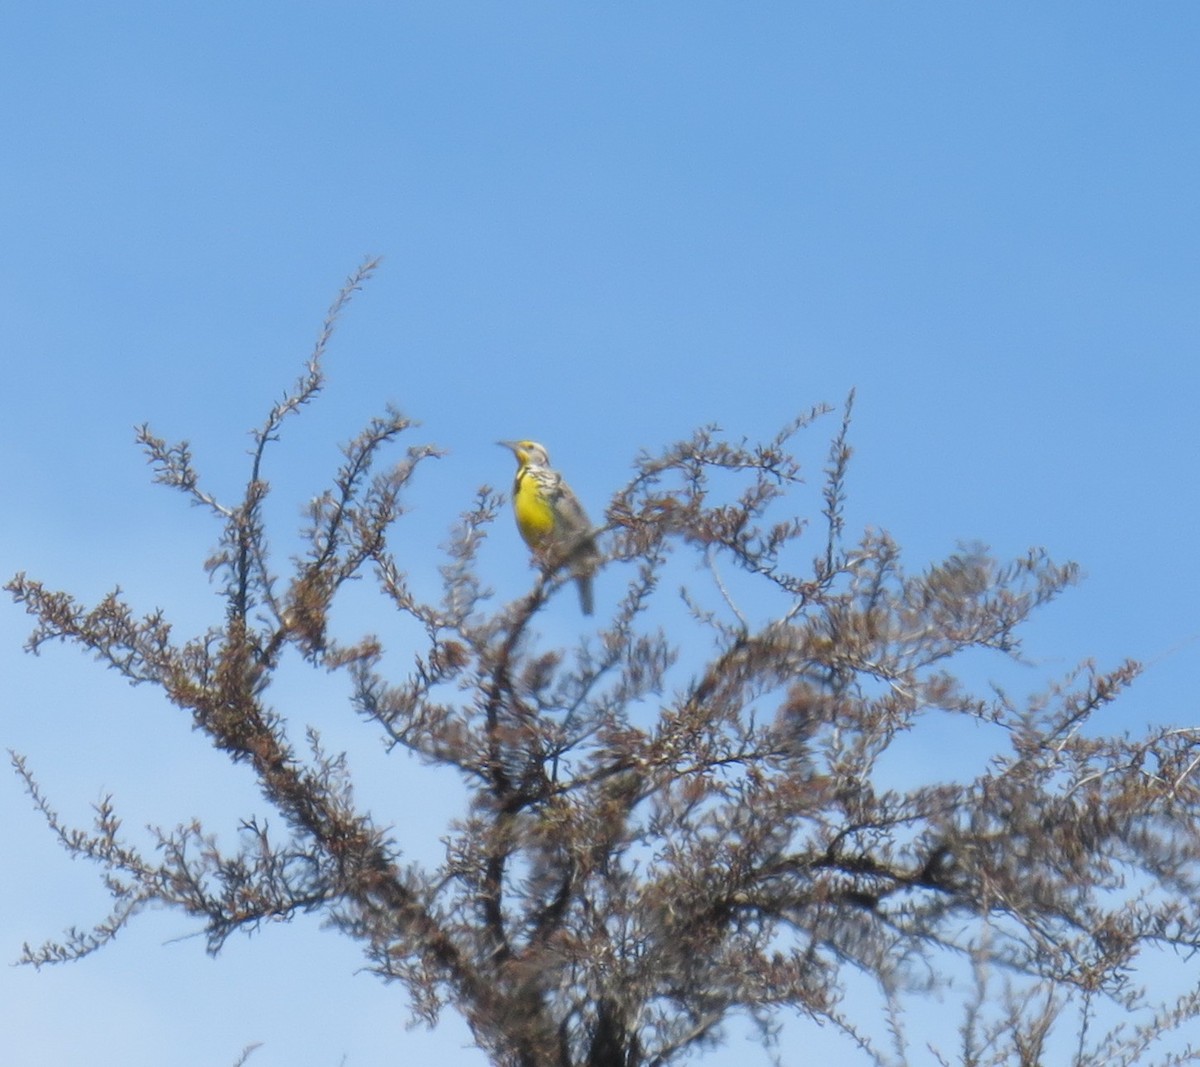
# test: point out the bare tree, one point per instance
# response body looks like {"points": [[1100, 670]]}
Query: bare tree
{"points": [[666, 826]]}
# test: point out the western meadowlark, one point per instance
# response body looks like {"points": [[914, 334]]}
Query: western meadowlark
{"points": [[551, 519]]}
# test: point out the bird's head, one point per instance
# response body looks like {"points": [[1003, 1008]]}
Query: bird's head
{"points": [[528, 453]]}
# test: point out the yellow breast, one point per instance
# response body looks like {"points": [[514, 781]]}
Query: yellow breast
{"points": [[535, 515]]}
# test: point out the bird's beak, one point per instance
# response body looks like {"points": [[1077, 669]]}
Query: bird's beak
{"points": [[512, 446]]}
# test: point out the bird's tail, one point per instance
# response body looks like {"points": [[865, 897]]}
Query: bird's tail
{"points": [[584, 581]]}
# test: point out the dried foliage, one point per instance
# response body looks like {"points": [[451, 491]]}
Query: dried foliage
{"points": [[665, 828]]}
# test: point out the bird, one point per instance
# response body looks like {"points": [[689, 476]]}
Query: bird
{"points": [[550, 518]]}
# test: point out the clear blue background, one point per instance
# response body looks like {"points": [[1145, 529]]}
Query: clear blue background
{"points": [[604, 224]]}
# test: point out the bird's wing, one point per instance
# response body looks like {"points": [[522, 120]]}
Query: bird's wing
{"points": [[567, 507]]}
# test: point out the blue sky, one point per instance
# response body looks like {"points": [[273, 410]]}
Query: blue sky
{"points": [[603, 225]]}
